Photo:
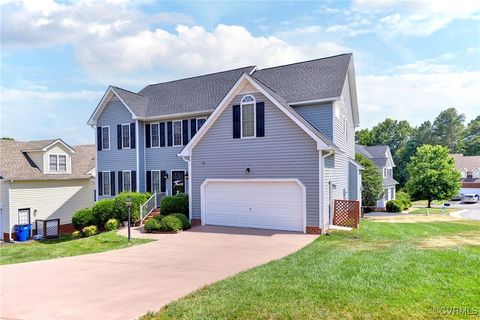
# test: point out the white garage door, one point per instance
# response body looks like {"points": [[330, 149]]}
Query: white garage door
{"points": [[254, 204]]}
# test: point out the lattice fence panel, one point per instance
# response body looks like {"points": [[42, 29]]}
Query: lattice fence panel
{"points": [[346, 213], [48, 228]]}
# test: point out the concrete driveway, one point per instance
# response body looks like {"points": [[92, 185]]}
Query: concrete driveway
{"points": [[126, 283]]}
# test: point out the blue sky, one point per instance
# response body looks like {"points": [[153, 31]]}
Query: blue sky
{"points": [[412, 58]]}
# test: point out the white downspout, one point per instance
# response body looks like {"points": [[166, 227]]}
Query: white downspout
{"points": [[189, 161], [322, 223]]}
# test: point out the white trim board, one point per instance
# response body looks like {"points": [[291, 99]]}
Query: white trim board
{"points": [[102, 104]]}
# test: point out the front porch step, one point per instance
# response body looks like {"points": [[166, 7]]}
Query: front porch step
{"points": [[152, 214]]}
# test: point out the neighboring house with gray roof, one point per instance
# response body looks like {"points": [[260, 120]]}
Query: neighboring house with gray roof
{"points": [[382, 158], [42, 180], [266, 148], [469, 167]]}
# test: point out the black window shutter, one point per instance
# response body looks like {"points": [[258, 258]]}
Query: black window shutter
{"points": [[119, 136], [148, 144], [99, 138], [112, 183], [163, 181], [236, 122], [169, 134], [185, 132], [193, 127], [260, 119], [133, 181], [149, 181], [100, 184], [120, 180], [132, 135], [162, 134]]}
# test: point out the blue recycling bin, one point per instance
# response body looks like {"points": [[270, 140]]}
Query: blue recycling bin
{"points": [[22, 231]]}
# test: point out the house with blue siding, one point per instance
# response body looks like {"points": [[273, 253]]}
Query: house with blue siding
{"points": [[261, 148]]}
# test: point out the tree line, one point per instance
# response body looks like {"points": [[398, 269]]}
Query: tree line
{"points": [[448, 129]]}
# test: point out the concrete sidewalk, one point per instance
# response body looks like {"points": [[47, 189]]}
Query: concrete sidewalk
{"points": [[126, 283]]}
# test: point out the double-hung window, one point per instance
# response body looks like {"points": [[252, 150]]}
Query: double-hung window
{"points": [[125, 136], [105, 138], [177, 133], [106, 186], [248, 116], [155, 181], [155, 129], [127, 181], [53, 162], [200, 122], [62, 163]]}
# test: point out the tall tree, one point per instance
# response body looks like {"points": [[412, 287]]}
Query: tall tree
{"points": [[391, 132], [364, 137], [472, 138], [372, 181], [448, 130], [432, 174], [7, 138]]}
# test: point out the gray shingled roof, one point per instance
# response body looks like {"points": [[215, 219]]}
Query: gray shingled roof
{"points": [[202, 93], [136, 102], [310, 80], [374, 153], [17, 165]]}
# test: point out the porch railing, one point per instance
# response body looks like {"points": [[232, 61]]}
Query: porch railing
{"points": [[151, 204]]}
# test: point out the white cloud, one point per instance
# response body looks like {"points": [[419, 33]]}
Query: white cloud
{"points": [[17, 95], [417, 97]]}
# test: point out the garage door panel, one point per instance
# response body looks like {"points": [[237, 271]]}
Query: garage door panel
{"points": [[269, 205]]}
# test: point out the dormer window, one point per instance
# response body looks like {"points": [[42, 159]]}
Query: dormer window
{"points": [[463, 173], [247, 106], [57, 163], [476, 173]]}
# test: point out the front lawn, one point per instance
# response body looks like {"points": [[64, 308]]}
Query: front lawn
{"points": [[382, 271], [63, 247]]}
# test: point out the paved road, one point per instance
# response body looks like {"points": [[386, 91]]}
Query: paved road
{"points": [[126, 283]]}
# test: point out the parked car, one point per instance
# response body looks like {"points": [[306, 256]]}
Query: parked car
{"points": [[470, 198], [458, 197]]}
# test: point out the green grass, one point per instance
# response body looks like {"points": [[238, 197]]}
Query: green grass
{"points": [[63, 247], [380, 271], [432, 210], [425, 202]]}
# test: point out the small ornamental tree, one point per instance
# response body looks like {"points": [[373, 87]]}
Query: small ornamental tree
{"points": [[372, 181], [433, 175]]}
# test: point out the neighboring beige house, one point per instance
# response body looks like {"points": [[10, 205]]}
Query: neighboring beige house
{"points": [[42, 180], [469, 167]]}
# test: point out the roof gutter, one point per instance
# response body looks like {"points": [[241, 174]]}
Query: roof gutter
{"points": [[306, 102], [176, 115]]}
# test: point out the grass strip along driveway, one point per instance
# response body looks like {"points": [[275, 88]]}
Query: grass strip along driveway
{"points": [[63, 247], [381, 271]]}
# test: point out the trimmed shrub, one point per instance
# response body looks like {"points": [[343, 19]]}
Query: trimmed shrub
{"points": [[174, 204], [172, 223], [82, 218], [76, 235], [120, 206], [89, 231], [111, 225], [404, 199], [152, 225], [183, 218], [394, 206], [103, 211]]}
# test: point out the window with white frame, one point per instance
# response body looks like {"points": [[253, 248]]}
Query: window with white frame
{"points": [[155, 129], [247, 106], [127, 181], [155, 181], [345, 130], [476, 173], [384, 172], [177, 133], [125, 136], [463, 173], [106, 186], [62, 163], [200, 122], [105, 138], [53, 162]]}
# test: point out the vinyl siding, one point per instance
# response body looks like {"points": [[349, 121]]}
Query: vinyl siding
{"points": [[165, 158], [114, 159], [37, 158], [337, 167], [320, 116], [286, 151], [141, 157], [353, 178], [4, 206], [52, 199]]}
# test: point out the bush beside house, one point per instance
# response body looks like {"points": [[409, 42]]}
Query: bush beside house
{"points": [[120, 205], [83, 218], [103, 210], [174, 204]]}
